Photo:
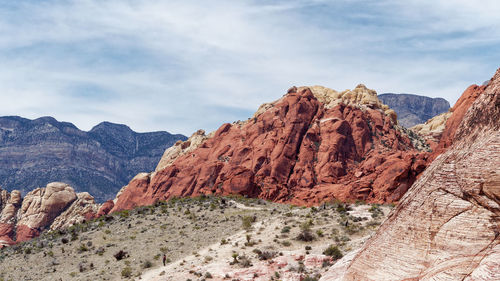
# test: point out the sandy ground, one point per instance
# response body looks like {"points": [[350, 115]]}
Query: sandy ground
{"points": [[200, 238]]}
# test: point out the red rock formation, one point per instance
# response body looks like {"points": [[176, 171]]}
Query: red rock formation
{"points": [[105, 208], [458, 112], [447, 225], [305, 148]]}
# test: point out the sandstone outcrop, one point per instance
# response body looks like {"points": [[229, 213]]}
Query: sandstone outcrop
{"points": [[10, 203], [41, 206], [447, 226], [312, 145], [454, 120], [55, 206], [432, 129], [82, 209]]}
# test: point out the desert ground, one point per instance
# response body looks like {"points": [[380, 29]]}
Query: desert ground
{"points": [[218, 238]]}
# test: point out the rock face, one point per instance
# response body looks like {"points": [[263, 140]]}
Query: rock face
{"points": [[455, 119], [55, 206], [447, 226], [312, 145], [101, 161], [433, 129], [414, 109]]}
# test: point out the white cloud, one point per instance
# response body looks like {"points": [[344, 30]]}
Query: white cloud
{"points": [[182, 65]]}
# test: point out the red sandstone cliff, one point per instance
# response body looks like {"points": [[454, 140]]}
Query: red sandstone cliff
{"points": [[312, 145], [447, 226]]}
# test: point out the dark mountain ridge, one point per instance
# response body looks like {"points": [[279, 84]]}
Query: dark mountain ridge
{"points": [[414, 109], [100, 161]]}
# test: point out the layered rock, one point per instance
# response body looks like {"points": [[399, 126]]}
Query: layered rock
{"points": [[312, 145], [56, 206], [447, 225], [414, 109], [37, 152]]}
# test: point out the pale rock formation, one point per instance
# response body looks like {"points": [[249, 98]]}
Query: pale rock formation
{"points": [[181, 148], [82, 209], [41, 206], [432, 130], [447, 225], [9, 204], [360, 97]]}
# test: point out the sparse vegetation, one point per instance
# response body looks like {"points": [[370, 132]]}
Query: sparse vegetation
{"points": [[127, 244]]}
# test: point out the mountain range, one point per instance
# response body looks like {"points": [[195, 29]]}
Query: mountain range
{"points": [[36, 152], [414, 109]]}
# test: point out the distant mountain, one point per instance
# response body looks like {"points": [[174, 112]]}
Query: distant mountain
{"points": [[36, 152], [414, 109]]}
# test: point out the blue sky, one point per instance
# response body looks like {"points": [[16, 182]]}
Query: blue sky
{"points": [[184, 65]]}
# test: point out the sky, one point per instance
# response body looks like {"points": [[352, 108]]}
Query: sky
{"points": [[185, 65]]}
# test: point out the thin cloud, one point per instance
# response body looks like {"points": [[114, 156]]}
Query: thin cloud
{"points": [[184, 65]]}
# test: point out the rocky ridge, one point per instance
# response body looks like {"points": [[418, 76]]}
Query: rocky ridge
{"points": [[414, 109], [312, 145], [447, 225], [100, 161]]}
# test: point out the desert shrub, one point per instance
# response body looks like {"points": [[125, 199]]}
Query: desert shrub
{"points": [[334, 252], [286, 229], [247, 221], [375, 211], [147, 264], [120, 255], [244, 261], [266, 255], [305, 232], [83, 248], [127, 272]]}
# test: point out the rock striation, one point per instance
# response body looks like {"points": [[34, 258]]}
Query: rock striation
{"points": [[447, 226], [414, 109], [312, 145], [55, 206], [101, 161]]}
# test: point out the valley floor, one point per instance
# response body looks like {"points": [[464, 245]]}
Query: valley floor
{"points": [[203, 238]]}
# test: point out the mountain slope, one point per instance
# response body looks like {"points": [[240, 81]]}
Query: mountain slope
{"points": [[414, 109], [312, 145], [36, 152]]}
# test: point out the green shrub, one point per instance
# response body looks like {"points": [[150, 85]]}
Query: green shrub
{"points": [[333, 251], [127, 272], [247, 221], [286, 229]]}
